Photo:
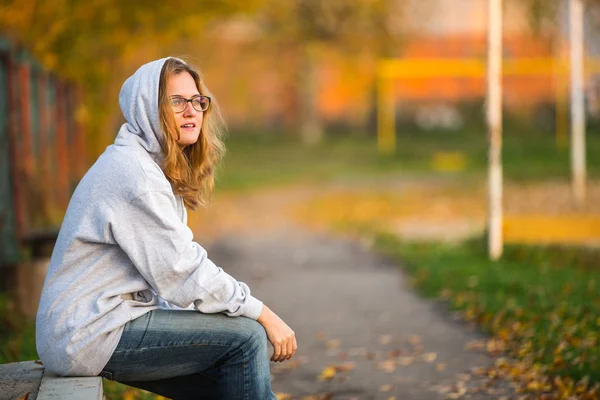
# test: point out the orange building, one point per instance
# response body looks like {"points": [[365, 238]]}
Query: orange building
{"points": [[516, 89], [261, 88], [445, 29]]}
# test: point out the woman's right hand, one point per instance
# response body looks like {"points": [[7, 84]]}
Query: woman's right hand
{"points": [[281, 336]]}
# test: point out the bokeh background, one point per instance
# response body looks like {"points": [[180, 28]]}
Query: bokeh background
{"points": [[298, 83]]}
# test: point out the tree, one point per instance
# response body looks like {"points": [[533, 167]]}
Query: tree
{"points": [[93, 43], [309, 27]]}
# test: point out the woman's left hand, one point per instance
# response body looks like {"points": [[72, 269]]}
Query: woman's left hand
{"points": [[281, 336]]}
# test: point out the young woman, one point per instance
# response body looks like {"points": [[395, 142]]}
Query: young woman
{"points": [[129, 295]]}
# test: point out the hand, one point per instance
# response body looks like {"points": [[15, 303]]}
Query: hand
{"points": [[281, 336]]}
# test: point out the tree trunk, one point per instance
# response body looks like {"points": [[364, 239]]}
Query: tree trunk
{"points": [[494, 122], [577, 100], [311, 126]]}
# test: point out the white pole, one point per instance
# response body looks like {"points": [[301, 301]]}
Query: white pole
{"points": [[577, 100], [494, 124]]}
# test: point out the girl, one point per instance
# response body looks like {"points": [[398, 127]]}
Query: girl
{"points": [[129, 295]]}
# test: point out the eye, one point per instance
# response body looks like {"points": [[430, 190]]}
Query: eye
{"points": [[176, 101], [201, 103]]}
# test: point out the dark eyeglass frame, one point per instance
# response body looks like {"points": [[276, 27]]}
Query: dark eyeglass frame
{"points": [[190, 100]]}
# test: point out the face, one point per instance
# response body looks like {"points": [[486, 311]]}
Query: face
{"points": [[189, 121]]}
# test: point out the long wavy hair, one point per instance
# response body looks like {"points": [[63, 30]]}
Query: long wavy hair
{"points": [[190, 169]]}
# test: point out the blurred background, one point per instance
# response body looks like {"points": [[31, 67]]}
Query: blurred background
{"points": [[299, 82]]}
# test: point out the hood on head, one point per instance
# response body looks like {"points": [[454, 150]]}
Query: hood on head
{"points": [[139, 103]]}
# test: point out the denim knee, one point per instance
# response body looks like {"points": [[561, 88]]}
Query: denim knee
{"points": [[255, 337]]}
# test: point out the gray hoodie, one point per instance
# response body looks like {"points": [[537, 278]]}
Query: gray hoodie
{"points": [[124, 248]]}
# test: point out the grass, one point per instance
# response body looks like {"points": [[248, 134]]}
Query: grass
{"points": [[256, 160], [542, 302], [17, 334], [17, 343]]}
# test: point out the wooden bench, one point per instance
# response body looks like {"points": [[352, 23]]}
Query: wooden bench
{"points": [[29, 381]]}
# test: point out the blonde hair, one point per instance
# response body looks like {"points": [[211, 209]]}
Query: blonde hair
{"points": [[190, 170]]}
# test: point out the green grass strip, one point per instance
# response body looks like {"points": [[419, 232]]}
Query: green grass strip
{"points": [[543, 301]]}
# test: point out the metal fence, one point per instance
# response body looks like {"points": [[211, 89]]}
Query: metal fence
{"points": [[42, 152]]}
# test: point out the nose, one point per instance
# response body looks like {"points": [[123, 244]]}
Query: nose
{"points": [[189, 110]]}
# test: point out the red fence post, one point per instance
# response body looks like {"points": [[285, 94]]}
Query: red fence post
{"points": [[81, 160], [61, 146], [15, 146], [44, 169]]}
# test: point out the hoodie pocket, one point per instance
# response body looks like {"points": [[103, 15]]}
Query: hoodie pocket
{"points": [[143, 298]]}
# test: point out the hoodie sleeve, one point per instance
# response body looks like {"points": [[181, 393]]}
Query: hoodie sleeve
{"points": [[162, 249]]}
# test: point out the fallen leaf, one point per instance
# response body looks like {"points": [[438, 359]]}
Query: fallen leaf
{"points": [[460, 391], [129, 395], [463, 378], [345, 367], [287, 366], [475, 345], [283, 396], [385, 388], [387, 366], [327, 373], [414, 339], [325, 396], [404, 361], [395, 353], [429, 357], [25, 396], [440, 366], [333, 343]]}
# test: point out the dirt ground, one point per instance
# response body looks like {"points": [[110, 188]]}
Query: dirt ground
{"points": [[362, 331], [430, 209]]}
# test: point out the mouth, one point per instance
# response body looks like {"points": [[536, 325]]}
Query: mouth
{"points": [[191, 125]]}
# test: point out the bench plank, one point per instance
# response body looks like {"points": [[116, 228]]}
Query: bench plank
{"points": [[18, 379], [70, 388]]}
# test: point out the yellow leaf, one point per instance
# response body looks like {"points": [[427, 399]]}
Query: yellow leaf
{"points": [[327, 374], [385, 388], [283, 396], [404, 361], [129, 395], [388, 365], [534, 386], [429, 357]]}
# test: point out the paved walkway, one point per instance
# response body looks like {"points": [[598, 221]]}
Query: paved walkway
{"points": [[359, 325]]}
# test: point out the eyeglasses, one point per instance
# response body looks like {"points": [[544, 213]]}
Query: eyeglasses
{"points": [[179, 104]]}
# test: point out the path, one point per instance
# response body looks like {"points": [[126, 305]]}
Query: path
{"points": [[362, 331], [354, 309]]}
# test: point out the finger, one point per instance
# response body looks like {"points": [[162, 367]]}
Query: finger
{"points": [[294, 346], [283, 354], [290, 349], [276, 352], [284, 351]]}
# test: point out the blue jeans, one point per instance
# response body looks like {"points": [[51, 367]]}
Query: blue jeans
{"points": [[190, 355]]}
